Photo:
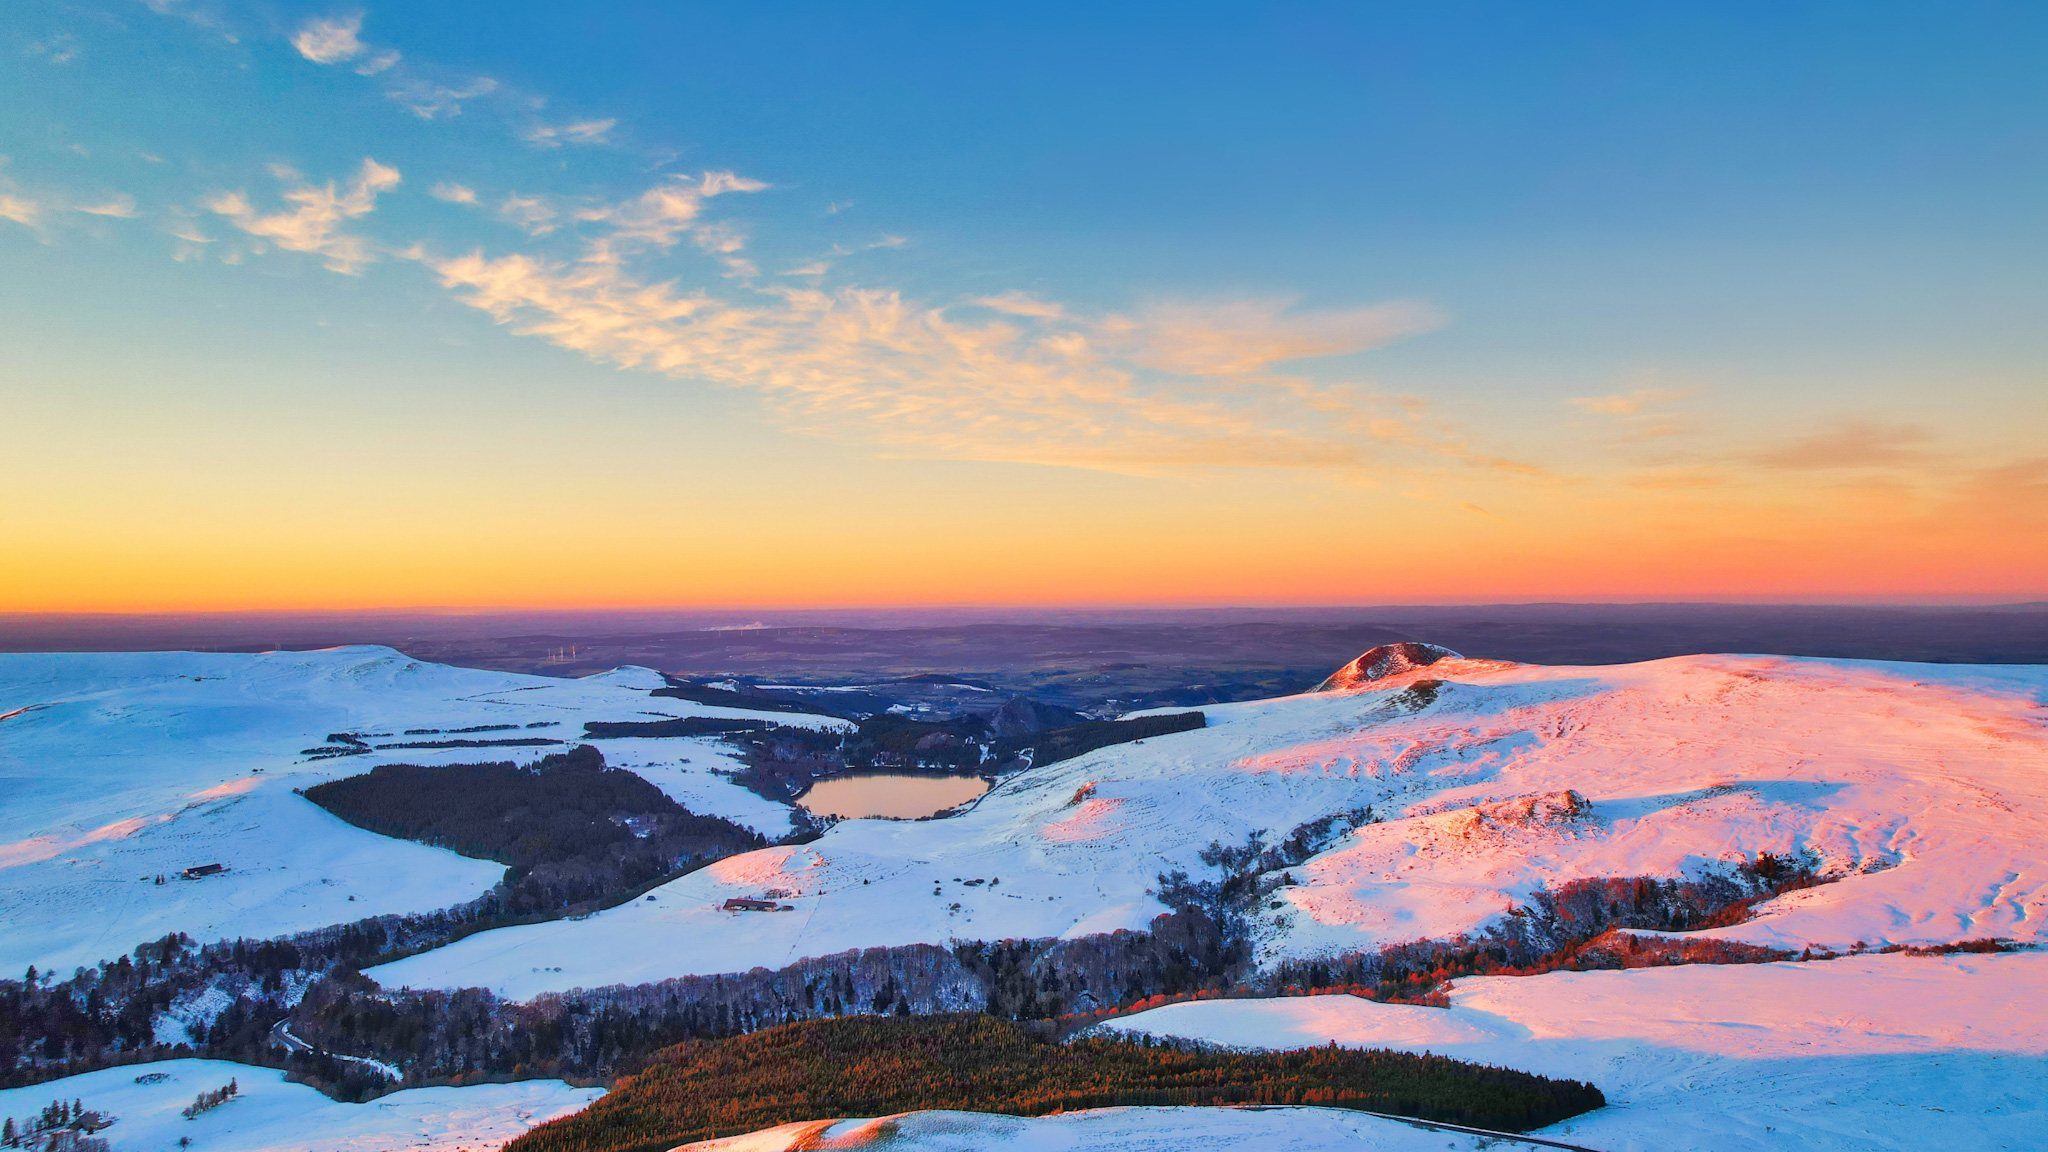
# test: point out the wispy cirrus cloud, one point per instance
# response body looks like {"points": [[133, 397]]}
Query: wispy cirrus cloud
{"points": [[119, 207], [1246, 337], [578, 132], [658, 217], [61, 48], [1640, 414], [430, 100], [1174, 385], [20, 209], [1853, 444], [530, 214], [1014, 303], [314, 222], [1004, 376], [1632, 403]]}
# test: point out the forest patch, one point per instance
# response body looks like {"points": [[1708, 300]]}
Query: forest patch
{"points": [[875, 1066], [570, 830]]}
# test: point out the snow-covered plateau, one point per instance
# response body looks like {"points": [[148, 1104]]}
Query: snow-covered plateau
{"points": [[117, 768], [1918, 792], [147, 1102], [1923, 789]]}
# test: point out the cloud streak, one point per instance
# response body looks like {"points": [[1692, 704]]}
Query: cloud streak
{"points": [[119, 207], [1855, 444], [580, 132], [19, 210], [314, 222]]}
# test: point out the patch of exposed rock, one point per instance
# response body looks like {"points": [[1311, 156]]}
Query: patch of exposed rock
{"points": [[1382, 662]]}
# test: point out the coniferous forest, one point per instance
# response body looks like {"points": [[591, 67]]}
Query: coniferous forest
{"points": [[877, 1066], [571, 830]]}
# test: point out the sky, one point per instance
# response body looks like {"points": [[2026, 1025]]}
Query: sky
{"points": [[686, 304]]}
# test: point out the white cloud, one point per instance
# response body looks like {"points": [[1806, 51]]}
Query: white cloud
{"points": [[314, 224], [580, 132], [452, 192], [658, 217], [430, 101], [378, 63], [19, 210], [121, 207], [530, 214], [719, 239], [330, 41]]}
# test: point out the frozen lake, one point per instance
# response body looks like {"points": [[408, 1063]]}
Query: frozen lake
{"points": [[892, 797]]}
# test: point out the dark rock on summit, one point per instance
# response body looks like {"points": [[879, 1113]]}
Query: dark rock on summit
{"points": [[1382, 662]]}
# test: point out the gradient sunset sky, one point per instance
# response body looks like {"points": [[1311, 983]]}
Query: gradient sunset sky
{"points": [[469, 304]]}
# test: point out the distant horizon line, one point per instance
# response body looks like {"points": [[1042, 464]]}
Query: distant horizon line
{"points": [[1084, 608]]}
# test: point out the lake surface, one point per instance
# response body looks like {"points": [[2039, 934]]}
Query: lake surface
{"points": [[891, 797]]}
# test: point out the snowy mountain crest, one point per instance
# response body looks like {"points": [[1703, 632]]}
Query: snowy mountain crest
{"points": [[1384, 661]]}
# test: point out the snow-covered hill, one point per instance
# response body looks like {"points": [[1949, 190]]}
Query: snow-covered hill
{"points": [[117, 768], [270, 1115], [1924, 786]]}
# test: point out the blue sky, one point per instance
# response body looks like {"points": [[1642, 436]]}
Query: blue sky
{"points": [[1686, 277]]}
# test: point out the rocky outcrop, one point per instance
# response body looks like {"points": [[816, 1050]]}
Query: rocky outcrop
{"points": [[1382, 662]]}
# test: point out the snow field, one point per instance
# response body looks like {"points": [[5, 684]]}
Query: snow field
{"points": [[116, 768], [270, 1115], [1925, 786], [1867, 1052], [1124, 1129]]}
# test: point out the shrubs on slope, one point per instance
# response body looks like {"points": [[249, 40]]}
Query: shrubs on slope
{"points": [[1575, 926], [881, 1065]]}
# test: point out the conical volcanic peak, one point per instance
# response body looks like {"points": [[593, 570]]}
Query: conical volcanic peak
{"points": [[1384, 661]]}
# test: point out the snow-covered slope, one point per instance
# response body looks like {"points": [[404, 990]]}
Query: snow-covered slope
{"points": [[1123, 1129], [115, 768], [1926, 786], [269, 1115], [1869, 1052]]}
